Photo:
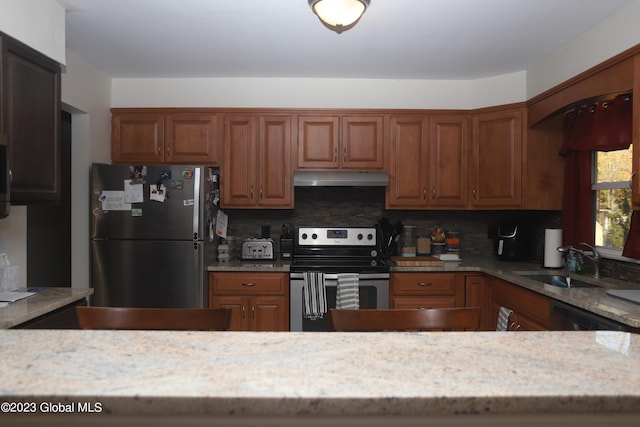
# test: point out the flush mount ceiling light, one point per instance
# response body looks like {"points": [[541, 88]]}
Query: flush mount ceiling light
{"points": [[339, 15]]}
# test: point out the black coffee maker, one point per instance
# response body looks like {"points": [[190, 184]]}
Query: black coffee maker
{"points": [[511, 241]]}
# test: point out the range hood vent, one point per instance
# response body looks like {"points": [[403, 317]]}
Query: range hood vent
{"points": [[340, 179]]}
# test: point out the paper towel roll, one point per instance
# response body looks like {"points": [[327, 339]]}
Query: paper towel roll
{"points": [[552, 241]]}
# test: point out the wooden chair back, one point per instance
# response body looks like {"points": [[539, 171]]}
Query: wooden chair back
{"points": [[431, 319], [194, 319]]}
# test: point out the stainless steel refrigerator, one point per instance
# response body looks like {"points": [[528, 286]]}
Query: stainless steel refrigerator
{"points": [[149, 252]]}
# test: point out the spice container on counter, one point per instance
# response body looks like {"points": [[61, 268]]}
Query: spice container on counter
{"points": [[453, 242], [408, 241], [423, 246]]}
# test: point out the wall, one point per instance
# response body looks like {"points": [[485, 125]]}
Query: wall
{"points": [[319, 93], [37, 23], [614, 35], [86, 94], [13, 233]]}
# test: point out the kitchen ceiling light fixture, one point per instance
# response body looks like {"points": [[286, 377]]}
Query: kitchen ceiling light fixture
{"points": [[339, 15]]}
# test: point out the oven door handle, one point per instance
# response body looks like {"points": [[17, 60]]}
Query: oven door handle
{"points": [[334, 276]]}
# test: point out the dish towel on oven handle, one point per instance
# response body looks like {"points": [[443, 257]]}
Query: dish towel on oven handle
{"points": [[503, 319], [315, 295], [348, 292]]}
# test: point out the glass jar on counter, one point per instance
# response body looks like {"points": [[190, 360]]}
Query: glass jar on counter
{"points": [[408, 241]]}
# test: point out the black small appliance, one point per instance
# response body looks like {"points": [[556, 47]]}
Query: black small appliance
{"points": [[511, 242]]}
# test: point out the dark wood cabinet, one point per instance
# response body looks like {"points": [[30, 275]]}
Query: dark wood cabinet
{"points": [[30, 105]]}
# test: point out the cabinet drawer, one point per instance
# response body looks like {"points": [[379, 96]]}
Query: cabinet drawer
{"points": [[423, 302], [249, 283], [423, 284]]}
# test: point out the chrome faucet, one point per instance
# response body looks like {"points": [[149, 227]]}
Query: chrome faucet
{"points": [[594, 257]]}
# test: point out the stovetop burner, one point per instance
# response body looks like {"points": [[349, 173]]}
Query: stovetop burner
{"points": [[337, 250]]}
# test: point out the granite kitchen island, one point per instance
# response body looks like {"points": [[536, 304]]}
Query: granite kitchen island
{"points": [[322, 378]]}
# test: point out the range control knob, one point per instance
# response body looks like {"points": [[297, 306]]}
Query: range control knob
{"points": [[360, 236], [304, 236], [370, 236], [314, 236]]}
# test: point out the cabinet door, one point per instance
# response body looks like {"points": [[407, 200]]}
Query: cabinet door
{"points": [[318, 142], [362, 146], [239, 168], [448, 141], [30, 116], [240, 310], [408, 157], [476, 291], [496, 179], [191, 138], [274, 153], [269, 314], [137, 138]]}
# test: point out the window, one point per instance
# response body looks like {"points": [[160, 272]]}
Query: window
{"points": [[612, 198]]}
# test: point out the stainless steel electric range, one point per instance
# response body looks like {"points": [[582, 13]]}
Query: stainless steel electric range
{"points": [[332, 251]]}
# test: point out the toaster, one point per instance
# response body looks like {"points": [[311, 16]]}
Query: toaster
{"points": [[257, 248]]}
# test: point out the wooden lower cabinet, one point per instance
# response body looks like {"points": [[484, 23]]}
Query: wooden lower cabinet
{"points": [[476, 294], [259, 301], [426, 290], [531, 311]]}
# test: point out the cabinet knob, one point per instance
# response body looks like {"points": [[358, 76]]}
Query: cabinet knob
{"points": [[251, 192], [424, 284], [248, 284], [335, 155]]}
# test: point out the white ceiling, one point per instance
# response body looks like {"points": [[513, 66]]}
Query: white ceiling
{"points": [[395, 39]]}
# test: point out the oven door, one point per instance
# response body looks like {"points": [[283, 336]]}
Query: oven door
{"points": [[373, 290]]}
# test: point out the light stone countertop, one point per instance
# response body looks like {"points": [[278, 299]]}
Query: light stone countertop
{"points": [[324, 374], [594, 300], [43, 302]]}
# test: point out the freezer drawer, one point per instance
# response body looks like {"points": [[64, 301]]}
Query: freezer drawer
{"points": [[147, 273]]}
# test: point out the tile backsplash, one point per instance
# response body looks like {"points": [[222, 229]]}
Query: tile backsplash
{"points": [[364, 206]]}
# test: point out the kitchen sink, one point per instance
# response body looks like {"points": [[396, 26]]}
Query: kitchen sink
{"points": [[559, 280]]}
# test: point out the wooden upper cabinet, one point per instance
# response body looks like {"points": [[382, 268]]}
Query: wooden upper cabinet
{"points": [[137, 138], [496, 161], [408, 156], [334, 141], [428, 162], [255, 171], [448, 142], [318, 142], [156, 137], [362, 142], [238, 170], [30, 119], [274, 162], [191, 138]]}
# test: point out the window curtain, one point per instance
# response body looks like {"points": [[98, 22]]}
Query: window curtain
{"points": [[601, 126]]}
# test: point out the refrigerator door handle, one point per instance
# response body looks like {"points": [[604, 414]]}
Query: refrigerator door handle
{"points": [[196, 204]]}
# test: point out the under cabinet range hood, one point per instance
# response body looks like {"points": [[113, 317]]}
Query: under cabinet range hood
{"points": [[340, 179]]}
